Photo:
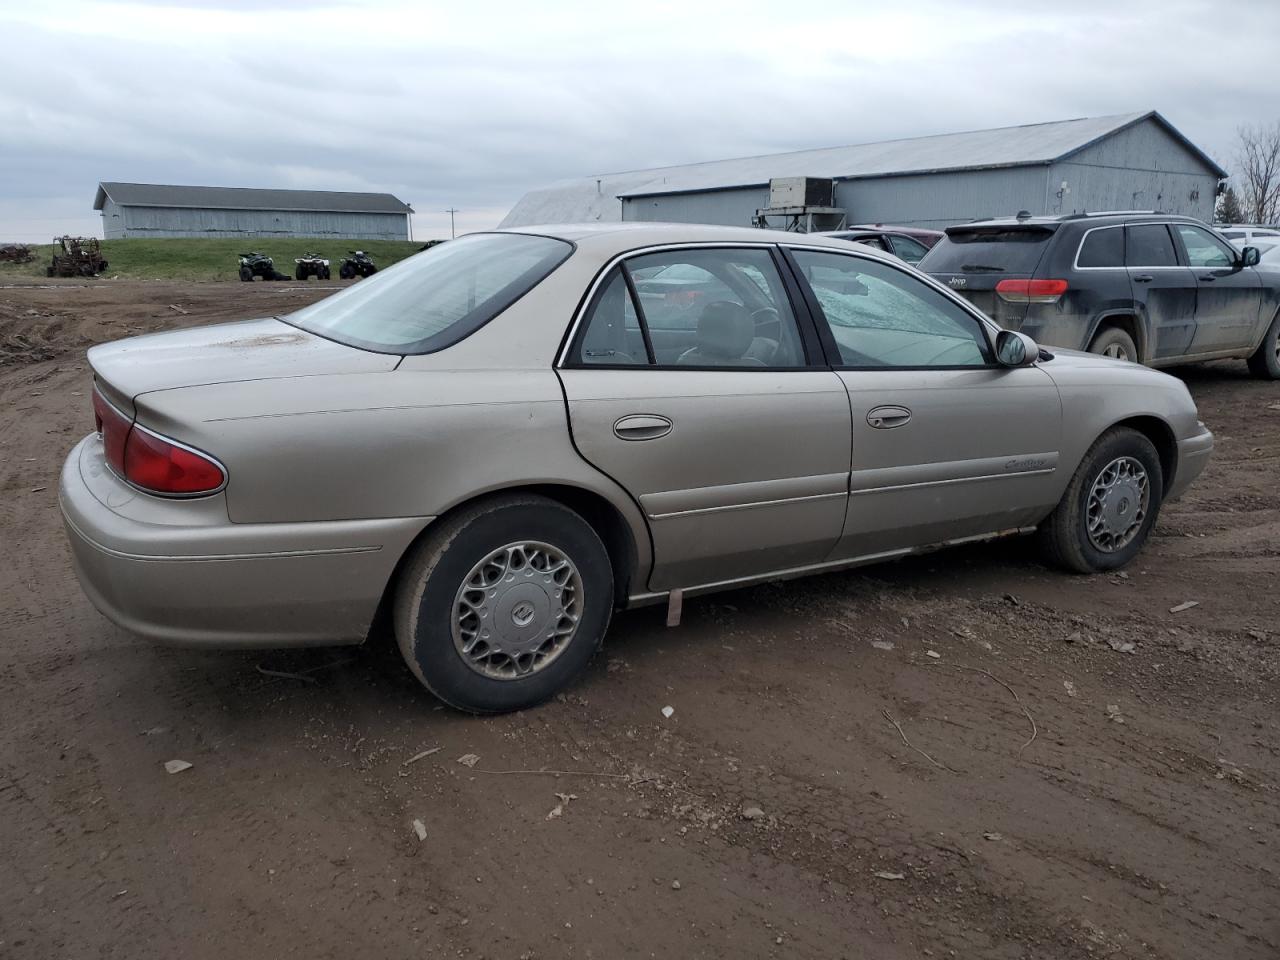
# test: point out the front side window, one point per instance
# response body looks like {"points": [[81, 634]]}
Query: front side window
{"points": [[435, 298], [1203, 248], [696, 308], [1149, 245], [1103, 247], [881, 316]]}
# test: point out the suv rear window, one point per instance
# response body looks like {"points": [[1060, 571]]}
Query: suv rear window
{"points": [[1103, 247], [1004, 249], [436, 298]]}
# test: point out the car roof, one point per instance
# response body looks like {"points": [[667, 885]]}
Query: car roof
{"points": [[608, 239]]}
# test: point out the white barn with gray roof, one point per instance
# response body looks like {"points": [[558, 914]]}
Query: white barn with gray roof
{"points": [[1131, 161], [163, 210]]}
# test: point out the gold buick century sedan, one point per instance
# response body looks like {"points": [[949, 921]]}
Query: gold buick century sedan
{"points": [[503, 439]]}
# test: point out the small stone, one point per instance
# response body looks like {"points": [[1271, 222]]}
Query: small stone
{"points": [[420, 829], [1076, 637], [469, 759], [889, 875], [668, 711], [675, 884], [933, 654], [882, 644], [752, 812], [992, 836], [1070, 688], [176, 766], [1186, 605]]}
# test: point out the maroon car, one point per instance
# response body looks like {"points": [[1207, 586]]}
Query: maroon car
{"points": [[907, 243]]}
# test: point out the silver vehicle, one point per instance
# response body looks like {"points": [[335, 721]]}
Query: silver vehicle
{"points": [[505, 438]]}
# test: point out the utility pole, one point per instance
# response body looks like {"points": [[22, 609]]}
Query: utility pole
{"points": [[452, 232]]}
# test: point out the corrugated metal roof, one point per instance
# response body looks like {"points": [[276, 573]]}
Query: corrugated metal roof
{"points": [[596, 198], [245, 198]]}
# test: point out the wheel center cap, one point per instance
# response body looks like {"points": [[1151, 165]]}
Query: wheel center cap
{"points": [[522, 613], [1120, 508]]}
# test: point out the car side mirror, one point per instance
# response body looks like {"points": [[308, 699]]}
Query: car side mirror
{"points": [[1015, 349], [1250, 256]]}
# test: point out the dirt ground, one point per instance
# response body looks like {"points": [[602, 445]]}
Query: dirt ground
{"points": [[1088, 774]]}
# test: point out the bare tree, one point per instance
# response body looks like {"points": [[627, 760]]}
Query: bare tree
{"points": [[1258, 160]]}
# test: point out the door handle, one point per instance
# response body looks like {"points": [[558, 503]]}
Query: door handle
{"points": [[641, 426], [886, 418], [1143, 278]]}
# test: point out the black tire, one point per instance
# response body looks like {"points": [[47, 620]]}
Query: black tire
{"points": [[1265, 362], [441, 563], [1119, 342], [324, 273], [1064, 534], [48, 271], [344, 272], [246, 275], [301, 272]]}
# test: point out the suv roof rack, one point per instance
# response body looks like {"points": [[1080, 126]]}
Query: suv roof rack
{"points": [[1110, 213]]}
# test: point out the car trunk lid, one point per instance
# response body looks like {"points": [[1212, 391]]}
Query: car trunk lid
{"points": [[973, 258], [223, 353]]}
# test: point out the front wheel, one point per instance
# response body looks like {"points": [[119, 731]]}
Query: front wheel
{"points": [[246, 275], [1109, 507], [1265, 362], [504, 603], [1115, 343]]}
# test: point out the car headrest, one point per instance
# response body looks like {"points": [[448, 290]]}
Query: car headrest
{"points": [[725, 330]]}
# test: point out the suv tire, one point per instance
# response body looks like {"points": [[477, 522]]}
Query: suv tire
{"points": [[1096, 526], [1265, 362], [1114, 342], [527, 569]]}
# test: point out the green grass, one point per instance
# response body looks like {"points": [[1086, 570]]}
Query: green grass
{"points": [[180, 258]]}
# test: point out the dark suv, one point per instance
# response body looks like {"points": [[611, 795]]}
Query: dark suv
{"points": [[1142, 286]]}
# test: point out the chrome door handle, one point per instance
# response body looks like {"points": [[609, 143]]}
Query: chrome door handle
{"points": [[886, 418], [642, 426]]}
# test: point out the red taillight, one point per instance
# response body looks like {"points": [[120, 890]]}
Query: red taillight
{"points": [[157, 464], [113, 426], [1031, 291], [150, 461]]}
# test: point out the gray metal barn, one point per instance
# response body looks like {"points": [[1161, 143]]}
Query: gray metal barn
{"points": [[1133, 161], [159, 210]]}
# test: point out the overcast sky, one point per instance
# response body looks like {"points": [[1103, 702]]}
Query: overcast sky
{"points": [[469, 104]]}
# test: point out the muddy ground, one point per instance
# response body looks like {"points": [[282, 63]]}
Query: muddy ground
{"points": [[1088, 774]]}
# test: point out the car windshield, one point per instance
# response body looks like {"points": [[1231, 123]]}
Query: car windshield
{"points": [[437, 297], [1005, 249]]}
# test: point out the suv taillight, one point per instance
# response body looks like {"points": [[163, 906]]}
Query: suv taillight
{"points": [[150, 461], [1031, 291]]}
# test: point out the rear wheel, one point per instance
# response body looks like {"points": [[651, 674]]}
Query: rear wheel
{"points": [[503, 604], [1114, 342], [301, 272], [1265, 362], [1109, 507]]}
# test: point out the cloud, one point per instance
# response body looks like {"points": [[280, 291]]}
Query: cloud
{"points": [[469, 106]]}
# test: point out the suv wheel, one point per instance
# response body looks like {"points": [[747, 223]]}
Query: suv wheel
{"points": [[1110, 505], [1265, 362], [1114, 342], [503, 604]]}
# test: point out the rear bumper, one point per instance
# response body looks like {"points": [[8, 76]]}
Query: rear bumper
{"points": [[181, 572], [1193, 457]]}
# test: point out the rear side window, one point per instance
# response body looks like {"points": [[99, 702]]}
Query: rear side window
{"points": [[436, 298], [1234, 234], [1102, 248], [908, 249], [1149, 245], [988, 250]]}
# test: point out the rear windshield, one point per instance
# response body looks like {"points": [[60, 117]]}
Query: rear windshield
{"points": [[435, 298], [987, 250]]}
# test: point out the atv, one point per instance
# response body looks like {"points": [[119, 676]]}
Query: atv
{"points": [[311, 265], [258, 265], [358, 265]]}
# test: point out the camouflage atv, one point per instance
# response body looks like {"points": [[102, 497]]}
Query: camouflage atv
{"points": [[358, 265], [76, 257], [258, 265], [311, 265]]}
